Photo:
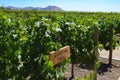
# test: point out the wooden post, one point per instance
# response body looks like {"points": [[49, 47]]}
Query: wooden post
{"points": [[95, 50], [110, 53], [110, 44], [72, 72]]}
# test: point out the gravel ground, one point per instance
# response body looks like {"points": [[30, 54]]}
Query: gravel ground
{"points": [[104, 72], [116, 54]]}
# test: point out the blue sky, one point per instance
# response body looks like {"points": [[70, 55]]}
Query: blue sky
{"points": [[69, 5]]}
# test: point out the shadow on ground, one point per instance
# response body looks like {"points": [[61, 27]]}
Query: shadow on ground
{"points": [[104, 68]]}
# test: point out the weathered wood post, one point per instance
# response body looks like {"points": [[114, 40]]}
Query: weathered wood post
{"points": [[72, 72], [95, 50], [110, 44]]}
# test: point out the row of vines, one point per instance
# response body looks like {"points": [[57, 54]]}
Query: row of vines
{"points": [[27, 37]]}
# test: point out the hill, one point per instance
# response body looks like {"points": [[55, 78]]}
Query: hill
{"points": [[53, 8]]}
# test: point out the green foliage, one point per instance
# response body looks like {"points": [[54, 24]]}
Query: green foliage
{"points": [[24, 50], [87, 77], [107, 33], [90, 77], [27, 37]]}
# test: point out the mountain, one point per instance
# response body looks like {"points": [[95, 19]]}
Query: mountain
{"points": [[12, 7], [53, 8]]}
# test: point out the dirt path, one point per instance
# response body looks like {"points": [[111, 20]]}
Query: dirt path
{"points": [[104, 72], [116, 54]]}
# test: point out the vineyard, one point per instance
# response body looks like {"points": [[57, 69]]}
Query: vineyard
{"points": [[27, 37]]}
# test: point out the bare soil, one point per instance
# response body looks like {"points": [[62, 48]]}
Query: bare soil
{"points": [[104, 72]]}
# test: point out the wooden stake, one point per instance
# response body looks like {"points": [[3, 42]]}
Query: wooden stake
{"points": [[111, 48], [95, 50]]}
